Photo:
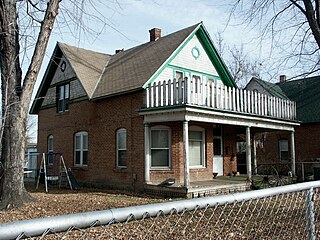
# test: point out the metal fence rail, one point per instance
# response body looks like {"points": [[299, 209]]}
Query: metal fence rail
{"points": [[287, 212]]}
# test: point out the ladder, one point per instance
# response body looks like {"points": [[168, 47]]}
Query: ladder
{"points": [[63, 176]]}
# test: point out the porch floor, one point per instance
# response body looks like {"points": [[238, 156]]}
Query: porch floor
{"points": [[217, 186]]}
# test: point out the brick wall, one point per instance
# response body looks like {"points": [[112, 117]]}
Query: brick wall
{"points": [[307, 144], [101, 119]]}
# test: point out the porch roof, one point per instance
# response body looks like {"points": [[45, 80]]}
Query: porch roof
{"points": [[205, 114]]}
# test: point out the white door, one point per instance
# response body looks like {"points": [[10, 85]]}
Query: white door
{"points": [[217, 155]]}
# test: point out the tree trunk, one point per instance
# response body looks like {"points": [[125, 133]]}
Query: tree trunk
{"points": [[16, 98]]}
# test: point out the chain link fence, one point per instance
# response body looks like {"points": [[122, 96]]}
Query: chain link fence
{"points": [[287, 212]]}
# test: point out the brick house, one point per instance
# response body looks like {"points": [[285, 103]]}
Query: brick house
{"points": [[168, 108], [305, 92]]}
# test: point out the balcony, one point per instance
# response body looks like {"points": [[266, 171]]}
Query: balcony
{"points": [[213, 96]]}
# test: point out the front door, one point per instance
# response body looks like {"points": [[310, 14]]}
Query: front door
{"points": [[217, 155]]}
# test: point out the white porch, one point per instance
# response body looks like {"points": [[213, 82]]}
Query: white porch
{"points": [[204, 101]]}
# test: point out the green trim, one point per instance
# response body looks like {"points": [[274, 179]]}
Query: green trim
{"points": [[215, 58], [184, 70], [195, 52], [175, 53], [212, 53]]}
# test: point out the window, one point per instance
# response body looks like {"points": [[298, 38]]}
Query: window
{"points": [[196, 147], [283, 149], [81, 149], [196, 80], [122, 148], [50, 149], [179, 75], [160, 147], [63, 92]]}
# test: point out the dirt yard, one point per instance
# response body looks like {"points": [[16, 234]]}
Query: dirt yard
{"points": [[64, 201]]}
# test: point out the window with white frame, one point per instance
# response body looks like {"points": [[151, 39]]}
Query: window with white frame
{"points": [[63, 93], [50, 149], [196, 146], [160, 147], [196, 83], [81, 149], [122, 148], [283, 150]]}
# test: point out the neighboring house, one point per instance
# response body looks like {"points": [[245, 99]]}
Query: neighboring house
{"points": [[30, 162], [168, 108], [305, 92]]}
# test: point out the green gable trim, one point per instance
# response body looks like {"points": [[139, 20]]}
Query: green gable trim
{"points": [[181, 69], [204, 39], [153, 78], [215, 58]]}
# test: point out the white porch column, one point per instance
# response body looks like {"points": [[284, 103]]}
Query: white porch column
{"points": [[248, 154], [147, 154], [186, 153], [254, 155], [293, 156]]}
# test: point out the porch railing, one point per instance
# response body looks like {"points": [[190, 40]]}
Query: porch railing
{"points": [[217, 96]]}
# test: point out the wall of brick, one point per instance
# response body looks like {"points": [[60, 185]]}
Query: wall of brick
{"points": [[101, 119]]}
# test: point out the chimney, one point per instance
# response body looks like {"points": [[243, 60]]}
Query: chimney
{"points": [[283, 78], [119, 50], [155, 34]]}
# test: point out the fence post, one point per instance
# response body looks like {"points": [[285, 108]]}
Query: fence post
{"points": [[310, 215]]}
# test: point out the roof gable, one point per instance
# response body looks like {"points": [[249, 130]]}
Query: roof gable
{"points": [[271, 88], [86, 65], [131, 69], [218, 67]]}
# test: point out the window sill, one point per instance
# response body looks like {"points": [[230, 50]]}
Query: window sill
{"points": [[120, 170], [197, 167], [83, 168], [160, 169]]}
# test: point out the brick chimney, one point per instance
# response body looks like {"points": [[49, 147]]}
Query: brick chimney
{"points": [[119, 50], [283, 78], [155, 34]]}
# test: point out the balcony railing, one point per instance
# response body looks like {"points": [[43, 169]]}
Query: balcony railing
{"points": [[216, 96]]}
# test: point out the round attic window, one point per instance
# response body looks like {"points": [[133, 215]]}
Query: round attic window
{"points": [[195, 52], [63, 66]]}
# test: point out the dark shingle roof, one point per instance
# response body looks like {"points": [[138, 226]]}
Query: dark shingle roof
{"points": [[306, 93], [131, 69], [272, 88], [88, 65]]}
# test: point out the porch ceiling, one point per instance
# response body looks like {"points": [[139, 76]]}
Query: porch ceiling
{"points": [[198, 114]]}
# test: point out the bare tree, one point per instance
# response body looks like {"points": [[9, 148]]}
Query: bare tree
{"points": [[291, 28], [241, 66], [25, 28]]}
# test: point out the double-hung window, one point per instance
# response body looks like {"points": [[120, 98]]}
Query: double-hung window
{"points": [[160, 147], [196, 147], [81, 149], [63, 93], [283, 150], [122, 148]]}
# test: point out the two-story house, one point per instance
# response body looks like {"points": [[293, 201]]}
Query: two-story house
{"points": [[168, 108]]}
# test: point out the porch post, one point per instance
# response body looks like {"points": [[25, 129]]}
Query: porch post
{"points": [[293, 157], [254, 154], [147, 154], [248, 154], [186, 153]]}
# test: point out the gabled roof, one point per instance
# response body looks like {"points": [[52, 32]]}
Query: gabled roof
{"points": [[272, 88], [306, 93], [102, 75], [87, 65], [134, 68], [131, 69]]}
